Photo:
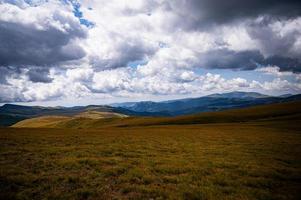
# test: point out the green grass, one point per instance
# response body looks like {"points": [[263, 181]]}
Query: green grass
{"points": [[213, 161]]}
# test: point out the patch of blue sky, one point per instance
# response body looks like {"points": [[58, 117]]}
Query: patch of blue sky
{"points": [[86, 22], [163, 45], [136, 63], [78, 13], [35, 2], [26, 2]]}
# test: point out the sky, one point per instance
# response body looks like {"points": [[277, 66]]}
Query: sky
{"points": [[79, 52]]}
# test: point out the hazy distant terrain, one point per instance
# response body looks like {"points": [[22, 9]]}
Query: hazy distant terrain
{"points": [[214, 102], [11, 114], [280, 111]]}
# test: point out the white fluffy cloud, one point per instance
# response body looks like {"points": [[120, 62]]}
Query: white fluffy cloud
{"points": [[142, 47]]}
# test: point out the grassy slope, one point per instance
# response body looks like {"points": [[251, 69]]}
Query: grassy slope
{"points": [[281, 111], [53, 121], [99, 115], [44, 121], [213, 161]]}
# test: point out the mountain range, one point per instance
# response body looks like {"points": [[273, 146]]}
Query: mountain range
{"points": [[11, 114], [213, 102]]}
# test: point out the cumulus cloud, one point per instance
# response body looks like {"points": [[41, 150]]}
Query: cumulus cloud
{"points": [[128, 82], [276, 71], [278, 41], [127, 48], [37, 36]]}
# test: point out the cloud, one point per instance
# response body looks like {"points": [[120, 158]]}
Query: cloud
{"points": [[199, 14], [275, 71], [278, 41], [281, 85], [285, 63], [123, 54], [129, 82], [39, 74], [34, 36], [246, 60], [227, 59], [142, 47]]}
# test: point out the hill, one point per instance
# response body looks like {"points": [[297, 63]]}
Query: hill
{"points": [[280, 111], [43, 121], [9, 119], [53, 120], [11, 114], [214, 102]]}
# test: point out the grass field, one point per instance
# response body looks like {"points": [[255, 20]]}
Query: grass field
{"points": [[213, 161], [252, 153]]}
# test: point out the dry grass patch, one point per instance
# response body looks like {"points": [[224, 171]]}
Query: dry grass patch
{"points": [[218, 161]]}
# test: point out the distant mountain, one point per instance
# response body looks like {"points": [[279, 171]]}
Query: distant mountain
{"points": [[286, 95], [213, 102], [11, 114], [240, 95]]}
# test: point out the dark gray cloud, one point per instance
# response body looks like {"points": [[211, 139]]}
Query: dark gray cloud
{"points": [[34, 73], [284, 63], [271, 42], [125, 53], [282, 49], [3, 74], [246, 60], [228, 59], [26, 45], [8, 71], [39, 46], [197, 14], [39, 74]]}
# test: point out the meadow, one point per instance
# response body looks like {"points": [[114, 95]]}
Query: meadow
{"points": [[251, 160]]}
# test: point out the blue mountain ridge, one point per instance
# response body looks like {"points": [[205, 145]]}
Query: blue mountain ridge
{"points": [[213, 102], [10, 113]]}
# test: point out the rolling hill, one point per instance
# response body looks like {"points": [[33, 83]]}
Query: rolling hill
{"points": [[214, 102], [11, 114], [284, 112], [53, 120]]}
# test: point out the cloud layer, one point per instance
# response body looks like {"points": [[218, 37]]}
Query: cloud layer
{"points": [[58, 49]]}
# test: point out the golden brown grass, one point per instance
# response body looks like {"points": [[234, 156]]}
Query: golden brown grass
{"points": [[43, 121], [99, 115], [57, 121], [213, 161], [255, 155]]}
